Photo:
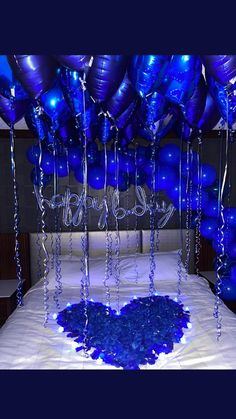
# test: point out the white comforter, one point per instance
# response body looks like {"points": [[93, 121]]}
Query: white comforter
{"points": [[26, 344]]}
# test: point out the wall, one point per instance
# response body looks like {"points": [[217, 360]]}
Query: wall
{"points": [[28, 207]]}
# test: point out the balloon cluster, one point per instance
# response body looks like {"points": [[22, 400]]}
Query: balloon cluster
{"points": [[79, 105]]}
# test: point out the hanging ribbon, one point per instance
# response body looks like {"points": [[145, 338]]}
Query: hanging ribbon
{"points": [[179, 269], [152, 220], [199, 206], [19, 294], [117, 234], [136, 218], [108, 252], [189, 186]]}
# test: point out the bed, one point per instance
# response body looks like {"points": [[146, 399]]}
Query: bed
{"points": [[26, 344]]}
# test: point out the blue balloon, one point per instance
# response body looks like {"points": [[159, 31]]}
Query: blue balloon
{"points": [[105, 131], [105, 75], [209, 227], [212, 208], [73, 91], [68, 133], [96, 177], [221, 67], [169, 154], [230, 216], [228, 237], [121, 99], [39, 124], [173, 194], [36, 177], [122, 181], [210, 116], [47, 163], [93, 155], [127, 116], [165, 177], [111, 161], [146, 72], [55, 107], [232, 249], [153, 108], [62, 166], [226, 102], [182, 76], [9, 85], [194, 107], [79, 174], [140, 179], [33, 154], [126, 164], [189, 165], [195, 199], [208, 176], [228, 289], [233, 273], [142, 156], [88, 122], [75, 156], [148, 168]]}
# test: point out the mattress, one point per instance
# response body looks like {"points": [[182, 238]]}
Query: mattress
{"points": [[26, 344]]}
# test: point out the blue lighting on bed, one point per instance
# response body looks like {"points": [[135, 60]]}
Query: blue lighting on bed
{"points": [[134, 336]]}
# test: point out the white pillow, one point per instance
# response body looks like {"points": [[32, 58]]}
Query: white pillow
{"points": [[166, 269]]}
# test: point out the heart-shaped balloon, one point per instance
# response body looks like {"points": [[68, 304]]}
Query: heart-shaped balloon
{"points": [[210, 116], [221, 67], [74, 62], [11, 111], [35, 72], [135, 336], [105, 75], [226, 101], [152, 108], [38, 123], [194, 107]]}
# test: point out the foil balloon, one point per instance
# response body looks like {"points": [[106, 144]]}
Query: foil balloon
{"points": [[126, 117], [55, 106], [9, 85], [88, 122], [74, 62], [221, 67], [194, 107], [36, 73], [105, 76], [11, 111], [105, 131], [33, 154], [210, 116], [48, 163], [121, 99], [182, 76], [130, 131], [146, 72], [152, 108], [226, 101], [36, 122], [68, 132]]}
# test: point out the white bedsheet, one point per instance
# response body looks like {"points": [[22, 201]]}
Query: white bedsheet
{"points": [[26, 344]]}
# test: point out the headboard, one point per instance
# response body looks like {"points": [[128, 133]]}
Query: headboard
{"points": [[134, 241]]}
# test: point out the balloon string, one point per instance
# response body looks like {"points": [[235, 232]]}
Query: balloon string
{"points": [[152, 221], [179, 265], [108, 255], [199, 207], [43, 242], [38, 245], [19, 294], [136, 219], [117, 235], [189, 207], [217, 312], [127, 218]]}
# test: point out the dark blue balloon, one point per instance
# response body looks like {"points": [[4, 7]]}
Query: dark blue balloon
{"points": [[127, 116], [72, 90], [210, 116], [55, 107], [221, 67], [169, 154], [38, 123], [36, 177], [33, 154], [68, 133], [228, 289], [195, 199], [122, 181], [153, 108], [232, 249], [148, 168], [233, 273], [9, 85], [209, 227], [62, 166], [182, 76], [74, 62], [142, 156], [88, 122], [126, 163], [93, 155], [228, 237], [230, 217], [164, 178], [208, 176], [96, 177], [130, 131], [226, 102], [111, 161], [212, 208], [121, 99], [146, 72], [105, 75], [47, 163], [79, 174], [105, 131], [194, 107], [189, 165], [140, 179], [75, 156], [11, 111]]}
